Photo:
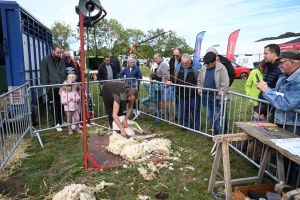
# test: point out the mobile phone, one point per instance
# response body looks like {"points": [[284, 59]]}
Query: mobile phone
{"points": [[257, 78]]}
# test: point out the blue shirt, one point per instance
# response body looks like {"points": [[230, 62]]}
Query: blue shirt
{"points": [[210, 80]]}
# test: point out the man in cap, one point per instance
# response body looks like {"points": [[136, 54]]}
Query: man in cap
{"points": [[285, 96], [213, 75]]}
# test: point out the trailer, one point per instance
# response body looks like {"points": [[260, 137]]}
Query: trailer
{"points": [[24, 41]]}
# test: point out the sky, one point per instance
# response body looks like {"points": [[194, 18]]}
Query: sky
{"points": [[257, 19]]}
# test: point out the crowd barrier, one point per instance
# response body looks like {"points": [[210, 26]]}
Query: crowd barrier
{"points": [[235, 108]]}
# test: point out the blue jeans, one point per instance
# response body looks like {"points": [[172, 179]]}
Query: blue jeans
{"points": [[212, 107], [190, 109], [146, 101]]}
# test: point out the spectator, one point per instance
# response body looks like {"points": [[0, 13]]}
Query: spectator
{"points": [[174, 61], [70, 99], [213, 75], [115, 61], [284, 97], [72, 66], [167, 99], [131, 71], [250, 86], [53, 71], [259, 115], [162, 69], [116, 95], [226, 63], [154, 96], [107, 70], [189, 100], [271, 53]]}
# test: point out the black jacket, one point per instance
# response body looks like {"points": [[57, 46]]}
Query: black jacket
{"points": [[172, 68], [116, 62], [102, 72], [229, 67]]}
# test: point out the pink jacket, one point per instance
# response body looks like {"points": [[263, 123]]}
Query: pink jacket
{"points": [[70, 105]]}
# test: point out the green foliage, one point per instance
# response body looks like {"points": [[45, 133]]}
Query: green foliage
{"points": [[110, 34], [63, 34]]}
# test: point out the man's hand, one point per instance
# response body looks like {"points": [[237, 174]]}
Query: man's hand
{"points": [[168, 83], [125, 123], [262, 86], [123, 133]]}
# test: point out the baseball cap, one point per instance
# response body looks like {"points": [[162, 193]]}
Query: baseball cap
{"points": [[209, 57], [291, 54]]}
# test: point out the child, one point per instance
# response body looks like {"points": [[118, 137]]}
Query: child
{"points": [[70, 100], [154, 96], [167, 98], [71, 78], [90, 108], [259, 114]]}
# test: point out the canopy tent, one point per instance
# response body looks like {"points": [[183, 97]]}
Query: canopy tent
{"points": [[291, 45]]}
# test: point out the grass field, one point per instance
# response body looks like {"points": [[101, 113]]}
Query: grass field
{"points": [[46, 171]]}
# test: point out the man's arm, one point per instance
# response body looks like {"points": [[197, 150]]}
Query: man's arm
{"points": [[115, 116], [44, 72]]}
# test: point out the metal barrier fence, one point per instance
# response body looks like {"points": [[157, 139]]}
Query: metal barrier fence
{"points": [[204, 114], [14, 121]]}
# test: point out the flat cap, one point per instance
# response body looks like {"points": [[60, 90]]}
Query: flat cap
{"points": [[209, 57], [291, 54]]}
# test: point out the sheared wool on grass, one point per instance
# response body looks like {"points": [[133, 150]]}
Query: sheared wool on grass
{"points": [[80, 192]]}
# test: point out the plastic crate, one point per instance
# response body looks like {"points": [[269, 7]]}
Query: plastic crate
{"points": [[240, 193]]}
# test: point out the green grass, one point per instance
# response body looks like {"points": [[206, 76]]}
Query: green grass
{"points": [[47, 170]]}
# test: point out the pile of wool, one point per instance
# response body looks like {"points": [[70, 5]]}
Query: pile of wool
{"points": [[135, 150], [80, 192], [148, 175]]}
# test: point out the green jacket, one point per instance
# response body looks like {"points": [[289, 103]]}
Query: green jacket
{"points": [[250, 87]]}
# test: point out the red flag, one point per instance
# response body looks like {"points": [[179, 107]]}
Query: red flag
{"points": [[231, 44]]}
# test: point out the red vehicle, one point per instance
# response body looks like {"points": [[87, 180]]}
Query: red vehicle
{"points": [[240, 71]]}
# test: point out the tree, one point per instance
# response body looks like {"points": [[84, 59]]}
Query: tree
{"points": [[63, 34]]}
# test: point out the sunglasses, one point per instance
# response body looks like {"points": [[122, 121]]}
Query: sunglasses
{"points": [[176, 56]]}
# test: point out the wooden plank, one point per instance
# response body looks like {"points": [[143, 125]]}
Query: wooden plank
{"points": [[263, 164], [280, 167], [231, 137], [215, 168], [264, 135], [227, 173]]}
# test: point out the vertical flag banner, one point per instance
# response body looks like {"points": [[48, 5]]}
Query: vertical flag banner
{"points": [[196, 57], [231, 44]]}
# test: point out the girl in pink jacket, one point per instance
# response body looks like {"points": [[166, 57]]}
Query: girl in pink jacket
{"points": [[70, 100]]}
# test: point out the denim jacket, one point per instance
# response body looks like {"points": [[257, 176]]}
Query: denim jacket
{"points": [[286, 99], [134, 73], [169, 93], [154, 91]]}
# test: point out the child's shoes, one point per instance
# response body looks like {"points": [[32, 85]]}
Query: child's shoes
{"points": [[70, 131]]}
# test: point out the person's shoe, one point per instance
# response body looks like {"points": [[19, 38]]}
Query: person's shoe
{"points": [[156, 121], [73, 126], [58, 128], [70, 132], [88, 125], [78, 130], [183, 129], [80, 126]]}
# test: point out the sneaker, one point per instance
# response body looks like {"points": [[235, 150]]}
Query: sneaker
{"points": [[88, 125], [80, 126], [78, 130], [58, 128], [156, 121], [73, 126], [70, 132]]}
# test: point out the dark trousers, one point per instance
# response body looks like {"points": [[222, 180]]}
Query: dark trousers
{"points": [[55, 106], [109, 111], [190, 108]]}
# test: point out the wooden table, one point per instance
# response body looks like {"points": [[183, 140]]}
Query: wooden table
{"points": [[263, 134]]}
